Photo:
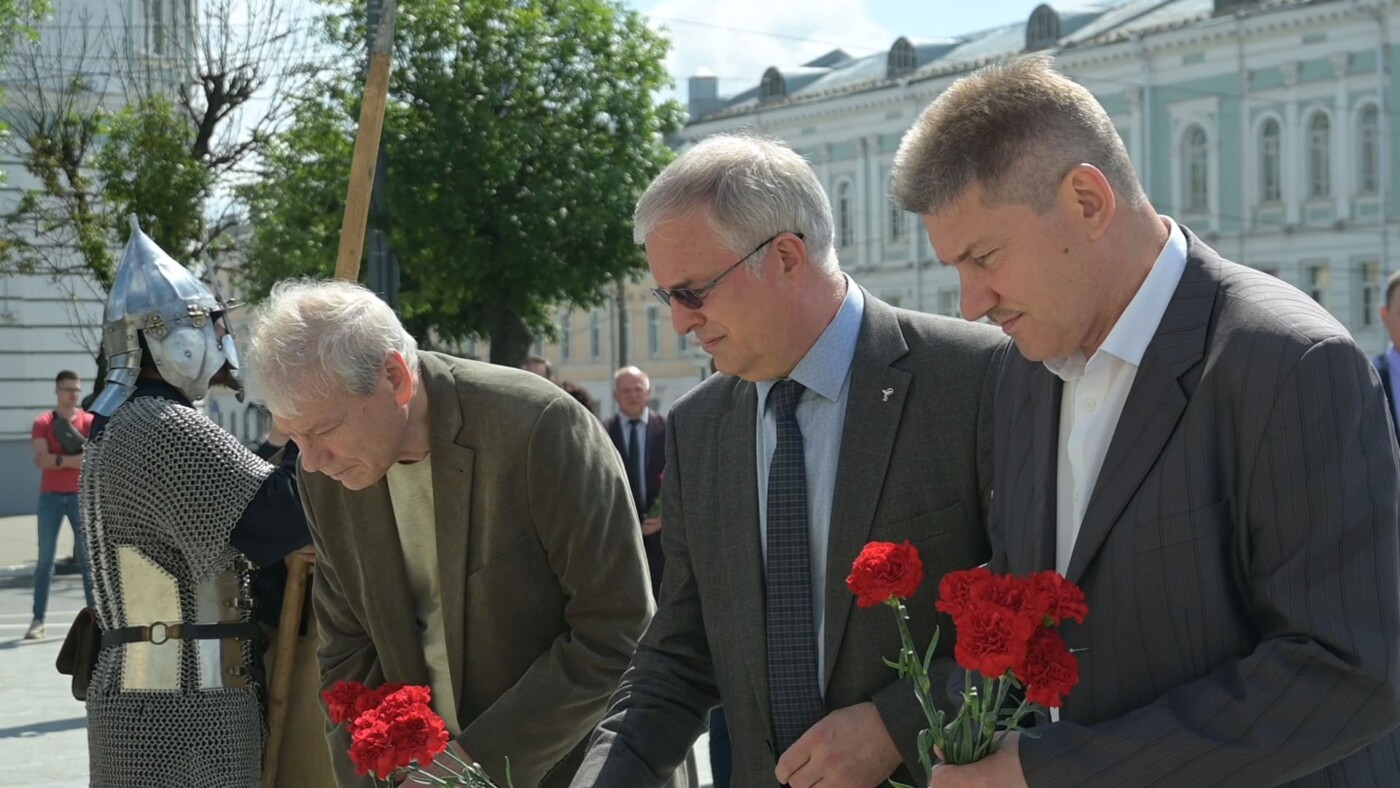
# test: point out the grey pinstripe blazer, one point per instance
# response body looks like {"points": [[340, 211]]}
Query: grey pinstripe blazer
{"points": [[1239, 551], [914, 465]]}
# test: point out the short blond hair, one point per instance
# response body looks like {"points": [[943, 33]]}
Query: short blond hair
{"points": [[1014, 128]]}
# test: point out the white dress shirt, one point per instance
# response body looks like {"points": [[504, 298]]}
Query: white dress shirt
{"points": [[1095, 391]]}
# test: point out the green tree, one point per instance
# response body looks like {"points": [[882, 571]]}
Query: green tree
{"points": [[147, 167], [518, 136]]}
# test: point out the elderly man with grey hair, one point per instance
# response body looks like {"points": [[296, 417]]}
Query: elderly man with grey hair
{"points": [[1198, 445], [474, 528], [838, 420]]}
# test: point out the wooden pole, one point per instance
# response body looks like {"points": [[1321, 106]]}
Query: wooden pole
{"points": [[347, 267]]}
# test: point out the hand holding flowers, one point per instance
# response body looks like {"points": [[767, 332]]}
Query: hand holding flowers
{"points": [[1006, 633], [393, 730]]}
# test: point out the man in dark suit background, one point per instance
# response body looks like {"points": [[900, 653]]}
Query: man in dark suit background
{"points": [[837, 420], [639, 433], [1388, 363], [1191, 441]]}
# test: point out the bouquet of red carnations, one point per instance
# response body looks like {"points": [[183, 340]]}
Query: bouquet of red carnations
{"points": [[1006, 633], [394, 728]]}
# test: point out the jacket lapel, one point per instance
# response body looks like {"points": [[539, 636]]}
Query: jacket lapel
{"points": [[737, 505], [875, 403], [453, 462], [1038, 546], [1155, 402]]}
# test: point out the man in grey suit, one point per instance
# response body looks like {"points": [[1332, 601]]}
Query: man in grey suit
{"points": [[1191, 441], [838, 420]]}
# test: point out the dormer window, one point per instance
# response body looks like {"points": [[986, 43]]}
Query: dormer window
{"points": [[1043, 29], [773, 85], [902, 59]]}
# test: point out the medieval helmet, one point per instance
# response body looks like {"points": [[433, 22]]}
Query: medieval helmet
{"points": [[156, 299]]}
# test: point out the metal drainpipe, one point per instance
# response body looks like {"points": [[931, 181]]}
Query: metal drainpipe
{"points": [[1146, 173], [1245, 219], [1383, 119]]}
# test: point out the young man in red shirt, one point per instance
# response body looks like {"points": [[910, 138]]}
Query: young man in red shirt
{"points": [[57, 438]]}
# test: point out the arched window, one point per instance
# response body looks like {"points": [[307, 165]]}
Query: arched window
{"points": [[1270, 175], [1043, 29], [1195, 158], [1319, 156], [896, 223], [845, 216], [902, 58], [773, 85], [1368, 153]]}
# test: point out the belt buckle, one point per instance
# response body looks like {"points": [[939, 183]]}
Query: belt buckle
{"points": [[164, 633]]}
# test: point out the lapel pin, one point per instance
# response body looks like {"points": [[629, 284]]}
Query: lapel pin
{"points": [[887, 393]]}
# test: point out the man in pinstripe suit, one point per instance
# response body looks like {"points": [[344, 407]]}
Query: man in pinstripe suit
{"points": [[1191, 441]]}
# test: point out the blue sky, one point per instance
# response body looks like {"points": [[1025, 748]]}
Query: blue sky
{"points": [[738, 39]]}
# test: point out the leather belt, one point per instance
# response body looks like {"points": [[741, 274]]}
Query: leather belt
{"points": [[161, 632]]}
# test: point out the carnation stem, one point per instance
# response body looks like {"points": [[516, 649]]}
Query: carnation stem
{"points": [[912, 666]]}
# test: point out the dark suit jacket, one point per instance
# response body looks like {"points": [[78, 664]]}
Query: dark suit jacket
{"points": [[1239, 551], [540, 568], [915, 464], [1382, 363], [656, 464]]}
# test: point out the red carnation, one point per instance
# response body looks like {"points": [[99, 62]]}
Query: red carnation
{"points": [[1062, 599], [991, 639], [371, 699], [885, 571], [418, 735], [955, 590], [402, 729], [372, 751], [340, 700], [1050, 671]]}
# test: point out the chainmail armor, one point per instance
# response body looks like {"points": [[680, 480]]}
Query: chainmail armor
{"points": [[169, 482]]}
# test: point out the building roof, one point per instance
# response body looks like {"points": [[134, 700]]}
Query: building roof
{"points": [[1051, 26]]}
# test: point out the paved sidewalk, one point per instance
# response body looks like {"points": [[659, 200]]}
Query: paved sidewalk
{"points": [[19, 545]]}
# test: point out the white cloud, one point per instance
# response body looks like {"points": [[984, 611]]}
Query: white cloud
{"points": [[739, 39]]}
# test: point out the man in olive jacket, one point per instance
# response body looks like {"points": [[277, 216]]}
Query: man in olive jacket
{"points": [[474, 529]]}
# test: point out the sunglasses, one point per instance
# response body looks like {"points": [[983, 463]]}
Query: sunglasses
{"points": [[694, 297]]}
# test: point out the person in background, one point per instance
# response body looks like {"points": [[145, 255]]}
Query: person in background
{"points": [[1388, 363], [639, 433], [538, 365], [57, 438], [581, 394]]}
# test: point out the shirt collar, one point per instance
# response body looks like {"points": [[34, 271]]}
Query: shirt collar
{"points": [[1134, 329], [824, 368], [646, 414]]}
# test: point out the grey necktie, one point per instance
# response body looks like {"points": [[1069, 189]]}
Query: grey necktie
{"points": [[794, 694], [635, 473]]}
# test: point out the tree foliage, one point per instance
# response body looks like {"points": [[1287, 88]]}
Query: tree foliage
{"points": [[518, 136], [111, 117]]}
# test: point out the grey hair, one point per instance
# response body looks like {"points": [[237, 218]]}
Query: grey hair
{"points": [[749, 188], [312, 337], [1014, 128]]}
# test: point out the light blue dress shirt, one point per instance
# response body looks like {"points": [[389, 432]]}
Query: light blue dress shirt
{"points": [[821, 415]]}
